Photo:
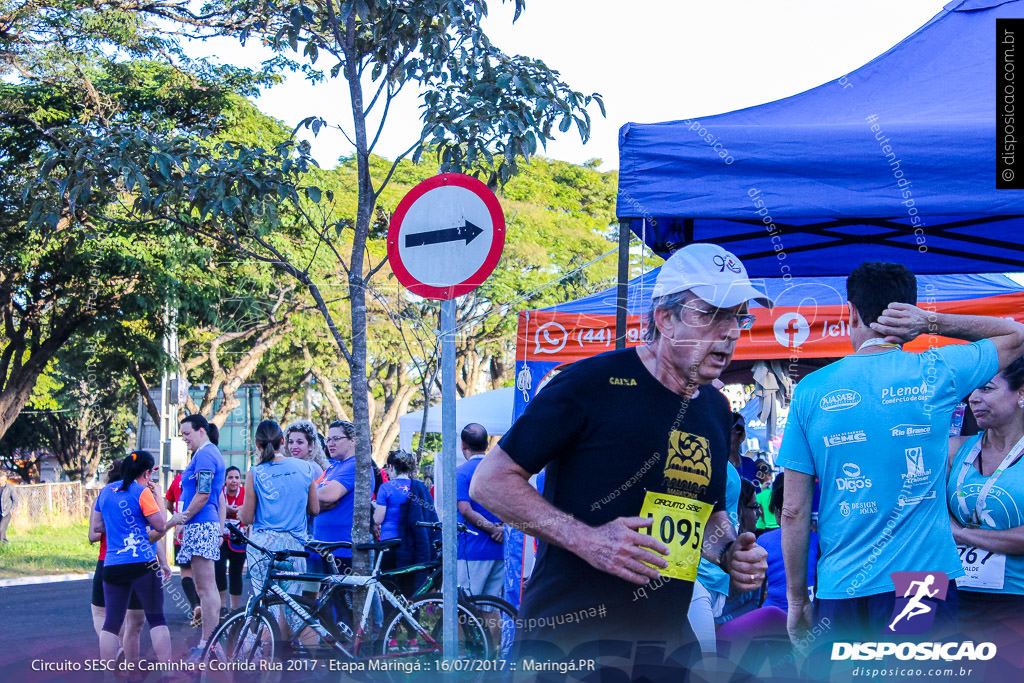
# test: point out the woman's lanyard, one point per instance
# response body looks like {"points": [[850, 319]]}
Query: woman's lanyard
{"points": [[879, 341], [979, 507]]}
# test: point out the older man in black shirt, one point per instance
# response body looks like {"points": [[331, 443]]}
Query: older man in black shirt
{"points": [[635, 443]]}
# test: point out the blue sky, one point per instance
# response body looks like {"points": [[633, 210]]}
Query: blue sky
{"points": [[652, 60]]}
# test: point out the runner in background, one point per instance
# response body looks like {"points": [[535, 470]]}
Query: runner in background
{"points": [[629, 436], [984, 491], [128, 514], [134, 616], [232, 558], [711, 603], [302, 442], [873, 427], [771, 541], [173, 502], [281, 492], [202, 484], [766, 520]]}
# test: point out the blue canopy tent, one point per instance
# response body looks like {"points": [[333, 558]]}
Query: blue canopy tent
{"points": [[895, 161]]}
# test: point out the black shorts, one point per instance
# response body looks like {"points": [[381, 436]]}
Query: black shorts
{"points": [[97, 590], [183, 565]]}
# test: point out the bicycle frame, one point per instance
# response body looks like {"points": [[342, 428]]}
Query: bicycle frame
{"points": [[331, 583]]}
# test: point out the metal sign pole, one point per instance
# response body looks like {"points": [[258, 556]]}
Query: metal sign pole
{"points": [[449, 512]]}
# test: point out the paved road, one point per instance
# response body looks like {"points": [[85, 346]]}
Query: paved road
{"points": [[52, 622]]}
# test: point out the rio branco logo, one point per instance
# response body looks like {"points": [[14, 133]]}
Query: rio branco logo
{"points": [[918, 597]]}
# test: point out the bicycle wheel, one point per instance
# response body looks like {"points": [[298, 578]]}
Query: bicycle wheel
{"points": [[500, 619], [244, 644], [402, 638]]}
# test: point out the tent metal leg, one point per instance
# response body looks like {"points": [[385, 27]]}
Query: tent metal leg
{"points": [[623, 286]]}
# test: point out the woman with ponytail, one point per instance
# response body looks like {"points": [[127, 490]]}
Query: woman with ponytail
{"points": [[123, 511], [279, 494]]}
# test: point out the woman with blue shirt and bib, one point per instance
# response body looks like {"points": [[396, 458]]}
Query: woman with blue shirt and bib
{"points": [[126, 511], [985, 492]]}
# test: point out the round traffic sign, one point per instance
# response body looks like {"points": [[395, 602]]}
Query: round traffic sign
{"points": [[446, 236]]}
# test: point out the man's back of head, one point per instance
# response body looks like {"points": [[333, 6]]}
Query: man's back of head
{"points": [[873, 285], [474, 438]]}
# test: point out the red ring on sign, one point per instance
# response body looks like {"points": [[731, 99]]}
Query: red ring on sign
{"points": [[497, 238]]}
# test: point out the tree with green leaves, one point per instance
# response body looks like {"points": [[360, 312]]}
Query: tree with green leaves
{"points": [[483, 111]]}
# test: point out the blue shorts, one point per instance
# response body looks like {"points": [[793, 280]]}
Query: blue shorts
{"points": [[867, 618]]}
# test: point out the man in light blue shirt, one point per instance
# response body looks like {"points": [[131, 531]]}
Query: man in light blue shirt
{"points": [[873, 429]]}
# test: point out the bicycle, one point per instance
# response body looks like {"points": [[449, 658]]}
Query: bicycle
{"points": [[250, 639], [484, 604]]}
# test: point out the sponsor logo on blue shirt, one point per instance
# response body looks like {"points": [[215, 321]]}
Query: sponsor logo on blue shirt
{"points": [[894, 394], [853, 481], [856, 436], [840, 399], [910, 430]]}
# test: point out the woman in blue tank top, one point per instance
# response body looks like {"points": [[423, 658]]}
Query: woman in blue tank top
{"points": [[985, 492], [279, 492]]}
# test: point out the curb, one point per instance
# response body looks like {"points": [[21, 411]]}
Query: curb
{"points": [[54, 578]]}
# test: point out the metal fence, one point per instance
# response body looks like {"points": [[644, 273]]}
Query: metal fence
{"points": [[53, 503]]}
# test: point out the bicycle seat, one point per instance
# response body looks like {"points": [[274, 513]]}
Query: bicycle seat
{"points": [[321, 547], [379, 545]]}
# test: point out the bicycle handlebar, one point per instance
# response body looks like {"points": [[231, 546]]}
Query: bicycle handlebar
{"points": [[238, 537]]}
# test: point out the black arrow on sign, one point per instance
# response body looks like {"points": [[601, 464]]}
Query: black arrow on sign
{"points": [[466, 232]]}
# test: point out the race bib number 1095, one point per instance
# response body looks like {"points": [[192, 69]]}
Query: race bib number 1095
{"points": [[678, 523]]}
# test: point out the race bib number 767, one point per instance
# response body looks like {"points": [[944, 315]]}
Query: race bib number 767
{"points": [[678, 523]]}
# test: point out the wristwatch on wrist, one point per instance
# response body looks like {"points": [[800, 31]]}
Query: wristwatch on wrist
{"points": [[722, 555]]}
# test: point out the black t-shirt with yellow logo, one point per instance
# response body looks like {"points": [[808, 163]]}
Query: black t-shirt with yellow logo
{"points": [[609, 432]]}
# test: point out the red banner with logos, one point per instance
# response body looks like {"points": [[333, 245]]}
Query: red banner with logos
{"points": [[784, 332]]}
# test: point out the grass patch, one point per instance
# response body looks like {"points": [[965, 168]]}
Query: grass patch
{"points": [[43, 550]]}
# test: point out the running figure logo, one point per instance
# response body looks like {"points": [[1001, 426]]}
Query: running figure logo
{"points": [[132, 544], [914, 612]]}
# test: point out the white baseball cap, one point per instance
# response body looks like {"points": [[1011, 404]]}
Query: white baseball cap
{"points": [[710, 272]]}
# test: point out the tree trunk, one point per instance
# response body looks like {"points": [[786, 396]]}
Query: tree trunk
{"points": [[388, 429], [497, 371], [22, 379], [357, 298], [326, 386], [140, 381]]}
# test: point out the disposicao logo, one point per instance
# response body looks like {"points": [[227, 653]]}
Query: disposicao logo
{"points": [[915, 611], [917, 597], [840, 399]]}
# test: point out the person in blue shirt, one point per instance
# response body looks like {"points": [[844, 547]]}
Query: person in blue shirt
{"points": [[771, 541], [280, 493], [481, 558], [202, 484], [402, 500], [334, 523], [984, 493], [124, 512], [873, 428]]}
